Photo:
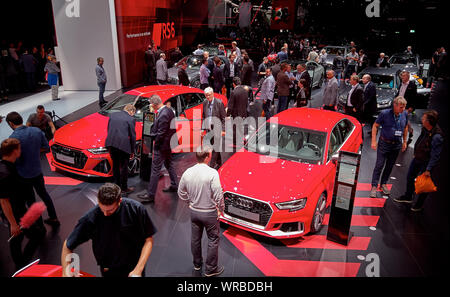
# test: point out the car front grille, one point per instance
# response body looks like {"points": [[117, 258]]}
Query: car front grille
{"points": [[247, 209], [64, 155]]}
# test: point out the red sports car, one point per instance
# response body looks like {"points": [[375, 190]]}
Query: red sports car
{"points": [[79, 147], [281, 182]]}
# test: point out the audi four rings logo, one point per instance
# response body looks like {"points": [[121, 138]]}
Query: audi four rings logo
{"points": [[243, 202]]}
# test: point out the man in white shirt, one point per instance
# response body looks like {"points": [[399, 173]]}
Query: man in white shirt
{"points": [[200, 187]]}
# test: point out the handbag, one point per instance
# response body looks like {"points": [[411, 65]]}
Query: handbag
{"points": [[424, 184]]}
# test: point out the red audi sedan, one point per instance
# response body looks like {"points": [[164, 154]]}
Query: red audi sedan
{"points": [[281, 182], [79, 147]]}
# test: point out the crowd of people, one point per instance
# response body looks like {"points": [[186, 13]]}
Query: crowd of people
{"points": [[24, 68], [199, 186]]}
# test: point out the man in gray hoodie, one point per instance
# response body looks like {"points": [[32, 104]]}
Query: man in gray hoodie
{"points": [[330, 92]]}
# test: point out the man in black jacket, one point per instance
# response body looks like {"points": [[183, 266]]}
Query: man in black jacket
{"points": [[408, 90], [230, 71], [238, 106], [121, 141], [427, 151], [355, 99], [370, 100], [150, 62], [183, 78], [247, 71], [213, 118], [162, 134], [302, 73]]}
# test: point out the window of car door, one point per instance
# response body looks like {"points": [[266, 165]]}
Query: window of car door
{"points": [[191, 102], [175, 104], [335, 141]]}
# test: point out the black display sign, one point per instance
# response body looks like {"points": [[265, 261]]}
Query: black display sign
{"points": [[343, 197], [147, 146]]}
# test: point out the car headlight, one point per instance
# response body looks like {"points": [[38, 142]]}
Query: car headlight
{"points": [[99, 150], [292, 205]]}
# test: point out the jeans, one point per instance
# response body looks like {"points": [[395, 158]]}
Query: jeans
{"points": [[416, 168], [38, 184], [158, 159], [386, 155], [283, 103], [209, 222], [31, 82], [120, 161], [101, 91]]}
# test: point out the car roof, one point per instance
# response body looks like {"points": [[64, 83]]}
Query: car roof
{"points": [[310, 118], [165, 91], [380, 70]]}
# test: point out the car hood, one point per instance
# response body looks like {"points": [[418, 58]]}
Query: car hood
{"points": [[382, 94], [88, 132], [385, 94], [191, 72], [268, 178]]}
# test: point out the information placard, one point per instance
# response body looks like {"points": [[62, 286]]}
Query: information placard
{"points": [[347, 169]]}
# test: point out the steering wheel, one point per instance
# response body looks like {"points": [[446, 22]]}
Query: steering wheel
{"points": [[314, 147]]}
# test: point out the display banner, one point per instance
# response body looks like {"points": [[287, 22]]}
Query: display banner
{"points": [[283, 15], [343, 197], [85, 30], [164, 23]]}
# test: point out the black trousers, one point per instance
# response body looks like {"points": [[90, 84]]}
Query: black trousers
{"points": [[120, 167], [35, 235], [416, 168], [37, 183], [209, 222]]}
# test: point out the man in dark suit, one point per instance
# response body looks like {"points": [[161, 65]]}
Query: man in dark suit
{"points": [[213, 119], [183, 78], [246, 73], [303, 74], [230, 71], [121, 141], [370, 101], [238, 104], [162, 134], [150, 62], [408, 90], [355, 99], [283, 84]]}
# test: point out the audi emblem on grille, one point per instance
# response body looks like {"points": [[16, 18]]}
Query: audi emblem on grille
{"points": [[243, 202]]}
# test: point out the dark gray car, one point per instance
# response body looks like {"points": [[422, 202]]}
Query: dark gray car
{"points": [[332, 52], [388, 82], [193, 70]]}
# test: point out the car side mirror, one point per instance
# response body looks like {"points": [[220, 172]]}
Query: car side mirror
{"points": [[335, 158]]}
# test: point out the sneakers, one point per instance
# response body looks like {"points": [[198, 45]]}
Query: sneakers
{"points": [[373, 192], [385, 190], [146, 198], [403, 199], [197, 268], [218, 271]]}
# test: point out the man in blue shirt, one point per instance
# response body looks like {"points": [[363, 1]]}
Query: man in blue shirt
{"points": [[394, 130], [427, 151], [33, 142]]}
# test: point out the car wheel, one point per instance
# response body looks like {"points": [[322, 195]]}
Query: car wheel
{"points": [[196, 83], [319, 214], [134, 164]]}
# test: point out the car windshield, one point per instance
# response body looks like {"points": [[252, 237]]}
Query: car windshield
{"points": [[383, 81], [141, 103], [288, 143], [403, 60], [335, 50]]}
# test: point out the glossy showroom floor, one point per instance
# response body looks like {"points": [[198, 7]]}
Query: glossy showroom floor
{"points": [[408, 244]]}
